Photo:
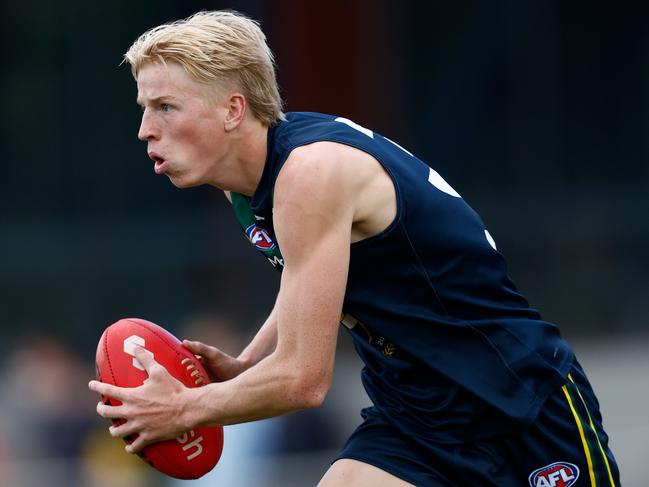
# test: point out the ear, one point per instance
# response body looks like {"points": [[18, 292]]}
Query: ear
{"points": [[236, 105]]}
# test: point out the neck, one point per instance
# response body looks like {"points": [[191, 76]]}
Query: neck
{"points": [[249, 149]]}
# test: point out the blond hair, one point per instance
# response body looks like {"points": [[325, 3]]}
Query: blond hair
{"points": [[217, 47]]}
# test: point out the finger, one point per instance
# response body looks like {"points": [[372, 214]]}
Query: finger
{"points": [[123, 430], [145, 357], [119, 393], [207, 351], [107, 411], [137, 446], [195, 347]]}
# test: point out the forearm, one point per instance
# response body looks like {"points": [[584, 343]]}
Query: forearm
{"points": [[263, 344], [273, 387]]}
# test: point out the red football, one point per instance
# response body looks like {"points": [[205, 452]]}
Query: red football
{"points": [[193, 453]]}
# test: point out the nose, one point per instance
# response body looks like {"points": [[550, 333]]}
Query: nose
{"points": [[148, 130]]}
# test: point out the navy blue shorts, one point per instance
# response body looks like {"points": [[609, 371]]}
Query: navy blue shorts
{"points": [[566, 446]]}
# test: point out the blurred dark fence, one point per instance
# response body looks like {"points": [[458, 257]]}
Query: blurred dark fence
{"points": [[536, 112]]}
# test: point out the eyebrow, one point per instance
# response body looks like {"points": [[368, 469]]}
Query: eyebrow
{"points": [[157, 99]]}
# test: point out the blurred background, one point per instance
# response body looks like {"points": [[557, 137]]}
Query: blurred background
{"points": [[536, 112]]}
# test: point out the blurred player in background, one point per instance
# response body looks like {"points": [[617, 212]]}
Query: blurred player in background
{"points": [[469, 385]]}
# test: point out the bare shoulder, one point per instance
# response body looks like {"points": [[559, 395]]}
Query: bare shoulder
{"points": [[338, 167], [313, 207], [317, 174], [320, 157], [332, 178]]}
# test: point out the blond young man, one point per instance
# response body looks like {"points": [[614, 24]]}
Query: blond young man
{"points": [[469, 385]]}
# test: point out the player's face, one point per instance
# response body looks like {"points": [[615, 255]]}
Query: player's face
{"points": [[182, 123]]}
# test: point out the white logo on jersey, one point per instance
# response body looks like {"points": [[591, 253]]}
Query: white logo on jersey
{"points": [[404, 150], [276, 261], [354, 125], [368, 132], [490, 239], [129, 348], [184, 438], [438, 181]]}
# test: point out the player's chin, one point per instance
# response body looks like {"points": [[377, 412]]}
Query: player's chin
{"points": [[183, 181]]}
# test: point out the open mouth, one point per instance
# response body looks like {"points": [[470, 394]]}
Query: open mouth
{"points": [[158, 163]]}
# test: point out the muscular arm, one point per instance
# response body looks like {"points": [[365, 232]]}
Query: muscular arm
{"points": [[313, 215]]}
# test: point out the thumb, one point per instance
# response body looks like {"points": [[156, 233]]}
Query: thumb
{"points": [[206, 351], [196, 347], [199, 348]]}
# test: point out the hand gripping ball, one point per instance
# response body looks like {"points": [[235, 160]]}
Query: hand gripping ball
{"points": [[193, 453]]}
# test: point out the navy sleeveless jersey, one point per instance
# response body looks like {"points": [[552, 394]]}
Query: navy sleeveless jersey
{"points": [[452, 350]]}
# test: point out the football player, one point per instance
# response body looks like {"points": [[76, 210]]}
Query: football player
{"points": [[469, 385]]}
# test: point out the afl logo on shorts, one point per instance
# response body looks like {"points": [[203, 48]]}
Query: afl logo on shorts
{"points": [[558, 474], [259, 238]]}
